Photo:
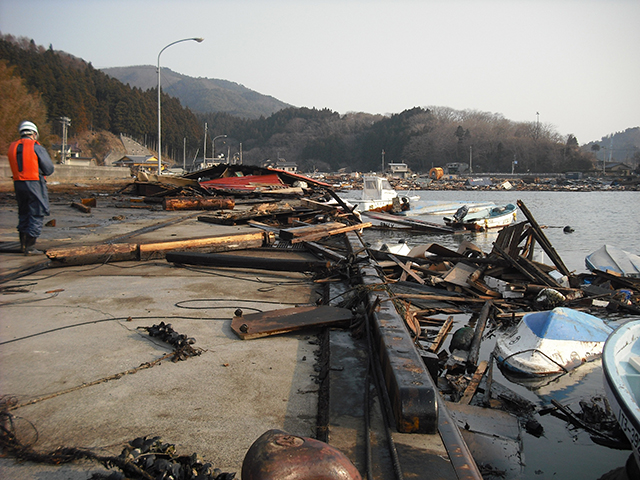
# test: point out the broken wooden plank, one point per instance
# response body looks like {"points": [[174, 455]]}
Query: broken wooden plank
{"points": [[470, 391], [407, 270], [293, 232], [514, 263], [79, 206], [219, 243], [543, 240], [474, 350], [257, 325], [442, 334], [443, 298], [319, 236], [92, 254], [180, 203]]}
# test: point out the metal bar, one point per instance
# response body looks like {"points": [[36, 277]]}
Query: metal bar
{"points": [[411, 388]]}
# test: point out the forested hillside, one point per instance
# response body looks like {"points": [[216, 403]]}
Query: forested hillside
{"points": [[58, 84], [70, 87], [201, 95], [618, 147]]}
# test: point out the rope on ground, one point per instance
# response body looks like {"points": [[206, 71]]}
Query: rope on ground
{"points": [[182, 350], [143, 458]]}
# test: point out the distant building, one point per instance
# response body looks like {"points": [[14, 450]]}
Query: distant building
{"points": [[399, 170], [281, 164], [455, 168], [147, 162], [618, 168]]}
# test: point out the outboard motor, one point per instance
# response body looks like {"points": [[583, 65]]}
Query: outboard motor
{"points": [[461, 213]]}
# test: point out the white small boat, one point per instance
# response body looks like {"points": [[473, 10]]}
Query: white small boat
{"points": [[613, 259], [552, 341], [621, 368], [484, 219], [438, 207], [379, 196]]}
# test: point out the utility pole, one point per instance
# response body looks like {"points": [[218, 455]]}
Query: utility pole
{"points": [[184, 154], [470, 159], [63, 152], [383, 162], [204, 148]]}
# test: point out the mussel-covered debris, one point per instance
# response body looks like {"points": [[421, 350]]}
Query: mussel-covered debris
{"points": [[181, 343], [146, 458], [156, 459]]}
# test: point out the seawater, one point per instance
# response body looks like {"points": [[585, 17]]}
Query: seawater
{"points": [[597, 218]]}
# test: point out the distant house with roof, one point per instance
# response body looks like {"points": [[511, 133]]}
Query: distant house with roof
{"points": [[399, 170], [73, 155], [619, 168], [146, 162], [281, 164]]}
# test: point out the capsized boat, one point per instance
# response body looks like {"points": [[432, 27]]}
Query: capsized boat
{"points": [[551, 341], [613, 259], [483, 219], [621, 368]]}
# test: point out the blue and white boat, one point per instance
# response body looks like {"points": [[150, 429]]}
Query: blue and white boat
{"points": [[484, 219], [621, 368], [552, 341]]}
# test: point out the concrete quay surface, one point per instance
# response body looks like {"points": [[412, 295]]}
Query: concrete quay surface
{"points": [[75, 359], [65, 327]]}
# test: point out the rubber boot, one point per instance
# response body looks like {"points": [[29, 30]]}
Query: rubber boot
{"points": [[23, 240], [29, 244]]}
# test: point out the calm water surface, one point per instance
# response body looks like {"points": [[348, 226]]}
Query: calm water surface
{"points": [[597, 218]]}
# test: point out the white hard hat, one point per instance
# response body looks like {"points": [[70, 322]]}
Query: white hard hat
{"points": [[28, 127]]}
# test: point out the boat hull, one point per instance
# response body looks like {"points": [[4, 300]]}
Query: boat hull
{"points": [[551, 342], [491, 218], [613, 259], [622, 380]]}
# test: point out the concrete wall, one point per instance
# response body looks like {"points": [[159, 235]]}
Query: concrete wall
{"points": [[74, 173]]}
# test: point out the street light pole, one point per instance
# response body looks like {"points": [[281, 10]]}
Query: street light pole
{"points": [[213, 146], [159, 115]]}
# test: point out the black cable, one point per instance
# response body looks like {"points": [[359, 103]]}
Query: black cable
{"points": [[177, 317]]}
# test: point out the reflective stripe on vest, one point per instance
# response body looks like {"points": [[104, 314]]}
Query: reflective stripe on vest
{"points": [[23, 160]]}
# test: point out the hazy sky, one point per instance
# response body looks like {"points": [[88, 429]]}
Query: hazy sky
{"points": [[576, 62]]}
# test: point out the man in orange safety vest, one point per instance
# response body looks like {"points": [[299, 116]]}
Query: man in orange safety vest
{"points": [[30, 163]]}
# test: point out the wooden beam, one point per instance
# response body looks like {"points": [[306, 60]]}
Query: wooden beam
{"points": [[220, 243], [474, 350], [543, 240], [79, 206], [407, 270], [470, 391], [442, 334], [189, 203], [329, 233], [304, 230], [92, 254]]}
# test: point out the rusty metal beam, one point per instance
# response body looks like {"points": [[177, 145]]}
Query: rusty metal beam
{"points": [[411, 389]]}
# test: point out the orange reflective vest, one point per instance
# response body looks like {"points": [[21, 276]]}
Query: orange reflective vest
{"points": [[23, 160]]}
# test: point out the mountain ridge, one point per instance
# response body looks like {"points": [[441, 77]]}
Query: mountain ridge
{"points": [[200, 94]]}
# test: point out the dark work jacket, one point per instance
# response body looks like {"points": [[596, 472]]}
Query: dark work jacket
{"points": [[36, 189]]}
